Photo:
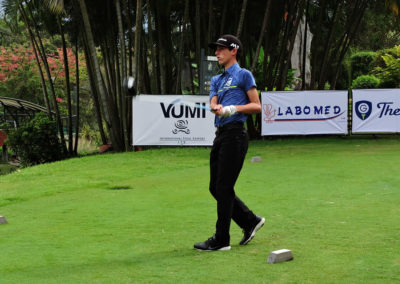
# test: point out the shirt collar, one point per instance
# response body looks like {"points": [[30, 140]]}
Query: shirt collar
{"points": [[232, 69]]}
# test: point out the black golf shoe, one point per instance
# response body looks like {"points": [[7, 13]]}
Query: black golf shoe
{"points": [[212, 244], [250, 233]]}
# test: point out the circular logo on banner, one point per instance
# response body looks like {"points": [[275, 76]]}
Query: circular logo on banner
{"points": [[363, 109]]}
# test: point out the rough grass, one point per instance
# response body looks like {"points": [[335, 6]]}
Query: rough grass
{"points": [[133, 217]]}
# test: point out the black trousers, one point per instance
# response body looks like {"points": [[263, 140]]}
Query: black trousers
{"points": [[226, 160]]}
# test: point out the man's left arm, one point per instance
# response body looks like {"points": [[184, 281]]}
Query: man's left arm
{"points": [[254, 106]]}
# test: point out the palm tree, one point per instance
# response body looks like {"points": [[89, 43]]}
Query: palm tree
{"points": [[57, 6], [38, 47]]}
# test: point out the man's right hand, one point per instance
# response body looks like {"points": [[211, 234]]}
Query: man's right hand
{"points": [[217, 109]]}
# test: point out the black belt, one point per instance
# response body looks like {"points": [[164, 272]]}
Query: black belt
{"points": [[229, 126]]}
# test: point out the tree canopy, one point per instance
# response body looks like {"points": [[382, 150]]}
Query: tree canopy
{"points": [[159, 42]]}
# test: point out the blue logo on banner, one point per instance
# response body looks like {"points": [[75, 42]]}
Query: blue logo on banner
{"points": [[363, 109]]}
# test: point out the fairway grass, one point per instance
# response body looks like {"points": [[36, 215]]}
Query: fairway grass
{"points": [[134, 217]]}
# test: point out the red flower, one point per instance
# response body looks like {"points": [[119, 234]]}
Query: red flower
{"points": [[14, 58]]}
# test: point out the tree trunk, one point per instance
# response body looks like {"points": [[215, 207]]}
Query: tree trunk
{"points": [[117, 82], [339, 47], [241, 20], [272, 40], [130, 36], [123, 75], [111, 112], [42, 79], [198, 40], [291, 44], [121, 33], [353, 29], [223, 18], [210, 32], [261, 36], [46, 66], [181, 45], [153, 50], [77, 86], [145, 67], [137, 44], [67, 86], [107, 68], [303, 73], [321, 79], [316, 44], [94, 92], [266, 60], [161, 51], [283, 50]]}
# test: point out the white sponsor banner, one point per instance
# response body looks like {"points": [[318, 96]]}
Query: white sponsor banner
{"points": [[158, 120], [304, 112], [376, 110]]}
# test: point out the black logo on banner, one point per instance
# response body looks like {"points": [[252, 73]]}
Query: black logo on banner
{"points": [[363, 109], [181, 126]]}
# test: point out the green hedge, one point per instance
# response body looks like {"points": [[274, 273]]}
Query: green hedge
{"points": [[365, 82], [361, 63]]}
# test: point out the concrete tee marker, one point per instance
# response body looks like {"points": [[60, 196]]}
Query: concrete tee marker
{"points": [[3, 220], [280, 256], [256, 159]]}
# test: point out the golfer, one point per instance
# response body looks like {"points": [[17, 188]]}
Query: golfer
{"points": [[233, 95]]}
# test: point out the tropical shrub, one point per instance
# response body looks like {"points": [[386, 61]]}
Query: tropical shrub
{"points": [[36, 141], [388, 69], [365, 82]]}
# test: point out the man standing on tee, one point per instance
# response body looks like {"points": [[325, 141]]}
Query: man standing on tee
{"points": [[233, 95]]}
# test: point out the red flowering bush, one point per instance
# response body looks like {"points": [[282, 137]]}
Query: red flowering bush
{"points": [[20, 76]]}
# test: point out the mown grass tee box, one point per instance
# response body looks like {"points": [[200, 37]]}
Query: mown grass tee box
{"points": [[134, 217]]}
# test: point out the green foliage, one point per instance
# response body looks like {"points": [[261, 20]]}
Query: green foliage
{"points": [[365, 82], [36, 141], [258, 72], [380, 28], [6, 168], [90, 134], [344, 79], [361, 63], [291, 80], [388, 68], [327, 86]]}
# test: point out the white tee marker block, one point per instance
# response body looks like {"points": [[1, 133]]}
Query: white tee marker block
{"points": [[256, 159], [280, 256], [3, 220]]}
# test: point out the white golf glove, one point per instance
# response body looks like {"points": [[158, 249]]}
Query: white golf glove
{"points": [[228, 111]]}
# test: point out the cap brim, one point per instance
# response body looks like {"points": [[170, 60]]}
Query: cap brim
{"points": [[214, 45]]}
